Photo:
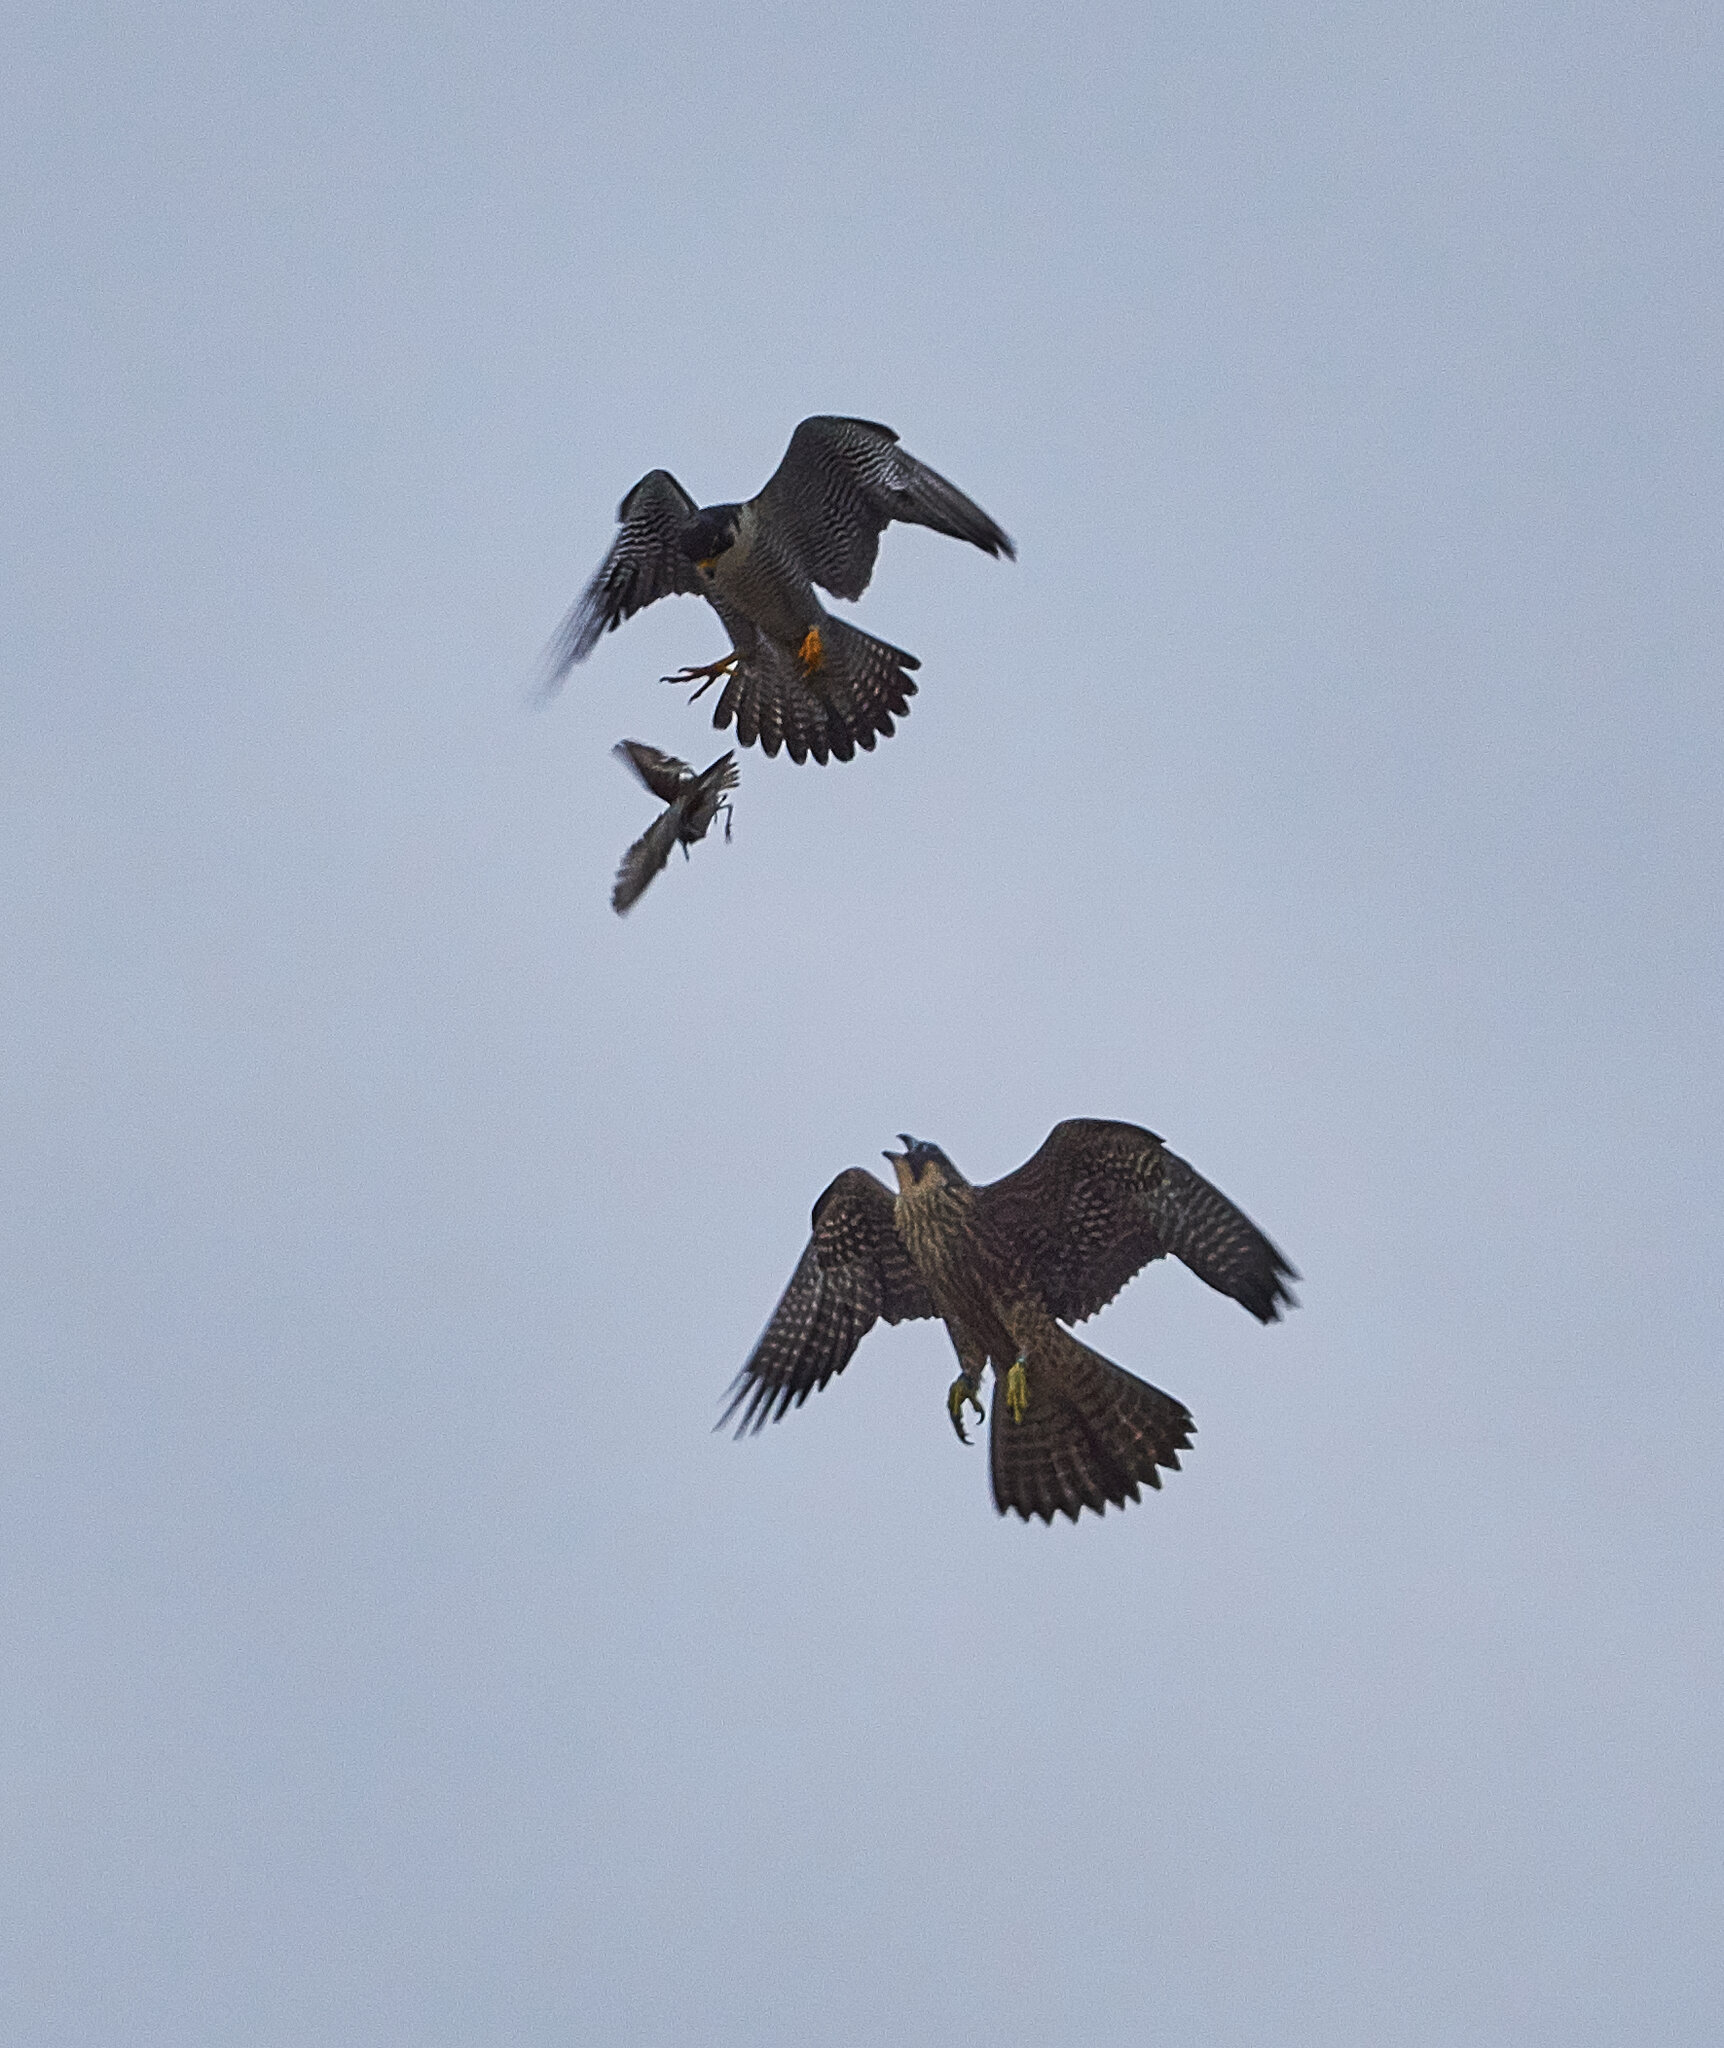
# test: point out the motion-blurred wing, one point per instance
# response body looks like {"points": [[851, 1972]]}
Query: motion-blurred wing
{"points": [[842, 482], [645, 563], [663, 774], [854, 1271], [644, 859], [1100, 1200]]}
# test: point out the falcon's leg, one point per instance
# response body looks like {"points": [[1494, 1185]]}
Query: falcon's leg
{"points": [[966, 1389], [1018, 1389], [706, 676], [1029, 1329]]}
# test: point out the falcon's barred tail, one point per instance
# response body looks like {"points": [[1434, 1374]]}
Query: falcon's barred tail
{"points": [[864, 681], [772, 704], [1091, 1433], [845, 701]]}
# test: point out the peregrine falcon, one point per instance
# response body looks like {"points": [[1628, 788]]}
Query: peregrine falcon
{"points": [[693, 801], [1003, 1267], [796, 676]]}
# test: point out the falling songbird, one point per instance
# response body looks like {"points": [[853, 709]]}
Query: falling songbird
{"points": [[1003, 1267], [795, 676], [693, 800]]}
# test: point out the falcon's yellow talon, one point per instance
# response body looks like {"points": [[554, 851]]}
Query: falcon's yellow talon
{"points": [[812, 652], [1018, 1391], [713, 671], [963, 1389]]}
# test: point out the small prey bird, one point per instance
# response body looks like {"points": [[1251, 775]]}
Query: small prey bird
{"points": [[1004, 1267], [795, 676], [693, 802]]}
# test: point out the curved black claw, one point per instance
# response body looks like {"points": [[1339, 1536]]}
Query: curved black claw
{"points": [[964, 1389]]}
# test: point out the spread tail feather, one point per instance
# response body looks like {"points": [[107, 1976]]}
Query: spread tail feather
{"points": [[864, 681], [1092, 1433], [849, 701]]}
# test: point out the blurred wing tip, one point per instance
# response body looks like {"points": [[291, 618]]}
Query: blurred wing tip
{"points": [[566, 650], [1277, 1299], [743, 1394]]}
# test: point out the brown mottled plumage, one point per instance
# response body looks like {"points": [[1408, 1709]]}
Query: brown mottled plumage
{"points": [[1004, 1266]]}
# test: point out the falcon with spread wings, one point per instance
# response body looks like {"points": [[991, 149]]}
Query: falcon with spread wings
{"points": [[691, 803], [1004, 1267], [796, 676]]}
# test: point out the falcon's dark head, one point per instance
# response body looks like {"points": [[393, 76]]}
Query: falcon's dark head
{"points": [[921, 1163], [709, 532]]}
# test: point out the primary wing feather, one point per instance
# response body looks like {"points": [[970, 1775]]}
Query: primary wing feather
{"points": [[645, 563], [645, 858], [662, 773], [854, 1271], [1100, 1200], [841, 484]]}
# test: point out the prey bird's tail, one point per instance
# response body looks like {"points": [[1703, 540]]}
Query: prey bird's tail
{"points": [[1091, 1432]]}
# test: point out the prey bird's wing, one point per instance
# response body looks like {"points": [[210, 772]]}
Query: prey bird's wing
{"points": [[644, 859], [645, 563], [854, 1271], [842, 482], [663, 774], [1100, 1200]]}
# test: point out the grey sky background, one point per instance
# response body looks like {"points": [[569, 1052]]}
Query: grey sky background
{"points": [[392, 1652]]}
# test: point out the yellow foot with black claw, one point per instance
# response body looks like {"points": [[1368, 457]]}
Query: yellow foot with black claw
{"points": [[812, 652], [964, 1389], [707, 676], [1018, 1391]]}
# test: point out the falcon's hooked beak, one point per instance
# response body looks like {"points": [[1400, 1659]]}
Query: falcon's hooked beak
{"points": [[901, 1160]]}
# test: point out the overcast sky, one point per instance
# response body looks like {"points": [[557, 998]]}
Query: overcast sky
{"points": [[391, 1652]]}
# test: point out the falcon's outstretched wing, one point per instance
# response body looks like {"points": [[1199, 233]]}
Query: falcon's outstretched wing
{"points": [[644, 564], [854, 1271], [1100, 1200], [663, 774], [842, 482]]}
